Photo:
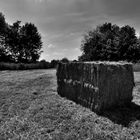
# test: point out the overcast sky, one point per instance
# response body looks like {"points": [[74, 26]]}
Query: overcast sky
{"points": [[63, 22]]}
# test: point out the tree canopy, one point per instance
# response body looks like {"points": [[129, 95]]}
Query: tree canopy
{"points": [[31, 43], [112, 43], [19, 43]]}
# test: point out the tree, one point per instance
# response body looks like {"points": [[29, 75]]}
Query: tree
{"points": [[19, 43], [13, 40], [110, 42], [3, 25], [31, 43], [3, 30], [23, 42]]}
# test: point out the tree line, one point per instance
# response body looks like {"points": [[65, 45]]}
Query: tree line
{"points": [[20, 44], [109, 42]]}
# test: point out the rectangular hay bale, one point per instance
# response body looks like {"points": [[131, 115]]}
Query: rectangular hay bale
{"points": [[96, 85]]}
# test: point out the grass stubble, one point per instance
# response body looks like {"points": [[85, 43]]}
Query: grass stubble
{"points": [[31, 109]]}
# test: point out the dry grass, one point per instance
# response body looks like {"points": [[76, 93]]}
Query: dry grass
{"points": [[32, 110]]}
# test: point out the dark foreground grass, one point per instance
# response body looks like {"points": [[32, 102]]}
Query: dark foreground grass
{"points": [[30, 109]]}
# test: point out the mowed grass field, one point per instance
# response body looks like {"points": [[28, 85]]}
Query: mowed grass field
{"points": [[31, 109]]}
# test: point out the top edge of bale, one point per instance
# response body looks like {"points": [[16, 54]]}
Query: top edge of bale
{"points": [[109, 62], [104, 62]]}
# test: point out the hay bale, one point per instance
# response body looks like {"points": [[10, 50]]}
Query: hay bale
{"points": [[96, 85]]}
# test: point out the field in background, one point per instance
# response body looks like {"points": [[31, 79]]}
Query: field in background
{"points": [[30, 108]]}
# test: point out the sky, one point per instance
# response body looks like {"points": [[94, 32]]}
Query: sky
{"points": [[62, 23]]}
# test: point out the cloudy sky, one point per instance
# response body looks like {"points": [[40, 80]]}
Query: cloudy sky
{"points": [[62, 23]]}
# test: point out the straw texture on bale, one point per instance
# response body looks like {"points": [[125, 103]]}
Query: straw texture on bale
{"points": [[96, 85]]}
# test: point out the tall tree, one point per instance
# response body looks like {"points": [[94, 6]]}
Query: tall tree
{"points": [[31, 43]]}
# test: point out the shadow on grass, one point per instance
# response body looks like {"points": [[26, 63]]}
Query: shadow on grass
{"points": [[123, 115]]}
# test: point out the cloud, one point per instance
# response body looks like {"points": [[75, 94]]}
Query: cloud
{"points": [[50, 46]]}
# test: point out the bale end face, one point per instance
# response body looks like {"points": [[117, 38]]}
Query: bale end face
{"points": [[96, 85]]}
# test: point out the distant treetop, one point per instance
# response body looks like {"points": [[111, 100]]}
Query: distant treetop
{"points": [[112, 43]]}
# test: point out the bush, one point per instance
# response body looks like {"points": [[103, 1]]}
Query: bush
{"points": [[22, 66]]}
